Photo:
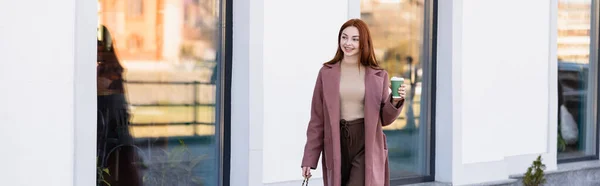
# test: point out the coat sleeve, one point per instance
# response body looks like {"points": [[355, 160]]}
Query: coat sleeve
{"points": [[389, 111], [314, 133]]}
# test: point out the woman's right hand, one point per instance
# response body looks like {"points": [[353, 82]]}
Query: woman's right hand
{"points": [[306, 172]]}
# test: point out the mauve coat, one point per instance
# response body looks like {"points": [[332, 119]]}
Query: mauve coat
{"points": [[323, 133]]}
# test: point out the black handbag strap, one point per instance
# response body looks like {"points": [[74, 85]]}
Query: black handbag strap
{"points": [[305, 182]]}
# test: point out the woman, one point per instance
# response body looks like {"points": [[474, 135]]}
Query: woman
{"points": [[116, 150], [351, 103]]}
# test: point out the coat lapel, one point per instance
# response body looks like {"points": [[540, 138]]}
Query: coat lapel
{"points": [[373, 90], [331, 92]]}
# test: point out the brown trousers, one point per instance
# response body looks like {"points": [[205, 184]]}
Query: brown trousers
{"points": [[352, 138]]}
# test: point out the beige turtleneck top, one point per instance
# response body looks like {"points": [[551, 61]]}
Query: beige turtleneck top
{"points": [[352, 91]]}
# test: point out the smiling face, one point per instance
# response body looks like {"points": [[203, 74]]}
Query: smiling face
{"points": [[355, 44], [349, 41]]}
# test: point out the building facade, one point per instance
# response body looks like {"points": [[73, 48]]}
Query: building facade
{"points": [[217, 92]]}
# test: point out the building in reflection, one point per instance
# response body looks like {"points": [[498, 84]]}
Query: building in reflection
{"points": [[574, 31], [166, 31], [397, 30], [169, 51]]}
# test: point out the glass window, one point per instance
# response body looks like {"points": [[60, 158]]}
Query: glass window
{"points": [[576, 80], [158, 81], [400, 29]]}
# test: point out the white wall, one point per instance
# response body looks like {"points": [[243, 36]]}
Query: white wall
{"points": [[505, 61], [502, 70], [298, 37], [37, 102]]}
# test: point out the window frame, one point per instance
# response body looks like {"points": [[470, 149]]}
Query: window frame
{"points": [[84, 147]]}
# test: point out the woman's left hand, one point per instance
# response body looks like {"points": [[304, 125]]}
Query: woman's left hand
{"points": [[402, 92]]}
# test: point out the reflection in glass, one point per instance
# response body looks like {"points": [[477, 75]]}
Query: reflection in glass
{"points": [[397, 31], [157, 82], [576, 125]]}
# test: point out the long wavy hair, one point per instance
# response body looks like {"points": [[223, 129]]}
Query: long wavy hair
{"points": [[366, 53]]}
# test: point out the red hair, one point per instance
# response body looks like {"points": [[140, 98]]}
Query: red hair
{"points": [[366, 54]]}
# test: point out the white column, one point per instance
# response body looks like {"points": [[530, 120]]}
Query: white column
{"points": [[447, 97], [85, 92], [247, 94]]}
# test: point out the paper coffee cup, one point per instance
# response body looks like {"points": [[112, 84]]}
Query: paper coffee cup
{"points": [[396, 83]]}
